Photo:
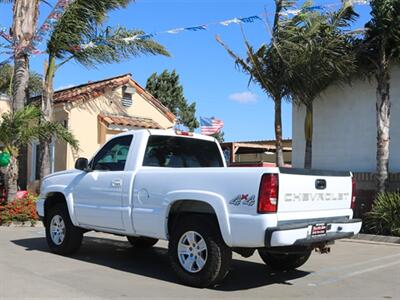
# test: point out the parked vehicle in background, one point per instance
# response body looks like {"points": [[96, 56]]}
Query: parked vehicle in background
{"points": [[158, 184]]}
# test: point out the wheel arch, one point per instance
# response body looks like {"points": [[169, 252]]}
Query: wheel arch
{"points": [[55, 197], [201, 203]]}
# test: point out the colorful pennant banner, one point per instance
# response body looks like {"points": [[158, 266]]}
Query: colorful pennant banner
{"points": [[130, 39], [61, 5]]}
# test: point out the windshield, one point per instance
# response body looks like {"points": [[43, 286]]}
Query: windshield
{"points": [[181, 152]]}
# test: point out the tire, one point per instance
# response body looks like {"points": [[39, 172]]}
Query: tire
{"points": [[284, 261], [69, 237], [142, 242], [210, 262]]}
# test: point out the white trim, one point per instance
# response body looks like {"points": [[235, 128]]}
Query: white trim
{"points": [[52, 155], [121, 127]]}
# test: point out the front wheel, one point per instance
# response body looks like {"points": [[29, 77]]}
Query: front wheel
{"points": [[61, 235], [197, 252], [284, 261]]}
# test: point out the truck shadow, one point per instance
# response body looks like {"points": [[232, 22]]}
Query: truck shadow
{"points": [[153, 263]]}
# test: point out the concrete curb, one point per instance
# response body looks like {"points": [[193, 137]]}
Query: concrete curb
{"points": [[23, 224], [377, 238]]}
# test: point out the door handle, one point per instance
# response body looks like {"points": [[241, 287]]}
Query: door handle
{"points": [[116, 183]]}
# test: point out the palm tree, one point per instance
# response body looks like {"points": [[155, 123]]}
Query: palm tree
{"points": [[266, 68], [317, 52], [78, 26], [25, 15], [20, 128], [379, 50]]}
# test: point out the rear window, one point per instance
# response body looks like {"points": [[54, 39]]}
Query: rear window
{"points": [[180, 152]]}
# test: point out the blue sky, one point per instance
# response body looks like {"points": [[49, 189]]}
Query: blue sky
{"points": [[207, 73]]}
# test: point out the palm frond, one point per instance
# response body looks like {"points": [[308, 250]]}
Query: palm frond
{"points": [[78, 22], [112, 46], [48, 129], [317, 52], [27, 125]]}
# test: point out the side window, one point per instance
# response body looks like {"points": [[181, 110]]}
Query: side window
{"points": [[113, 155]]}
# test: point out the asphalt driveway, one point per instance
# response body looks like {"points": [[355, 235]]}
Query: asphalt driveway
{"points": [[107, 267]]}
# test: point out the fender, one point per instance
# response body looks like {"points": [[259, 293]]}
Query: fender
{"points": [[216, 201], [68, 198]]}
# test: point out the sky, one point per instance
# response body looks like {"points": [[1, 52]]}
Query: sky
{"points": [[207, 73]]}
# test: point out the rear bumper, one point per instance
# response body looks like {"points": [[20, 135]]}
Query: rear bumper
{"points": [[300, 234]]}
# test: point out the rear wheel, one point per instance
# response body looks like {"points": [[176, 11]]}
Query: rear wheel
{"points": [[284, 261], [61, 235], [141, 242], [197, 252]]}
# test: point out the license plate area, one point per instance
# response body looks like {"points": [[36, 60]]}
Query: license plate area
{"points": [[319, 229]]}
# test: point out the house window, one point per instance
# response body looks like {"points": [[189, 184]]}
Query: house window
{"points": [[127, 94]]}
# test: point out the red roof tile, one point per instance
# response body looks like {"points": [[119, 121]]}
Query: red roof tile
{"points": [[128, 121], [95, 89]]}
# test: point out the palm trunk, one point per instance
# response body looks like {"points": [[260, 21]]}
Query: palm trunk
{"points": [[20, 95], [25, 14], [308, 133], [47, 111], [383, 124], [23, 167], [11, 179], [20, 81], [278, 133]]}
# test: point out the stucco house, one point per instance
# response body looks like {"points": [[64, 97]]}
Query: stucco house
{"points": [[94, 112], [4, 103], [344, 136]]}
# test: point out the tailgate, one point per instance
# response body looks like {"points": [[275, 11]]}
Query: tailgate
{"points": [[313, 190]]}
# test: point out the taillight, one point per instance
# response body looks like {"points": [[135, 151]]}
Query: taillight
{"points": [[353, 193], [268, 194]]}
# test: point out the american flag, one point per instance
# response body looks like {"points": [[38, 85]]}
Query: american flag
{"points": [[210, 126]]}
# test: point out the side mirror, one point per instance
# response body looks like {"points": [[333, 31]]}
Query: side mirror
{"points": [[82, 164]]}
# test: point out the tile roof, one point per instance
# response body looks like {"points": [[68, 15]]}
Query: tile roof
{"points": [[95, 89], [128, 121]]}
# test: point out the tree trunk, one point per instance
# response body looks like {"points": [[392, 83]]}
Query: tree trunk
{"points": [[25, 14], [308, 133], [20, 81], [47, 111], [278, 133], [23, 167], [11, 179], [383, 124]]}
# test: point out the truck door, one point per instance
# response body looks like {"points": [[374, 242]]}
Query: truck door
{"points": [[98, 195]]}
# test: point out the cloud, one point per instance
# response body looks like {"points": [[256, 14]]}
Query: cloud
{"points": [[63, 87], [243, 97]]}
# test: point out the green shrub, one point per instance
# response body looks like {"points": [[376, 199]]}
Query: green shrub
{"points": [[384, 217]]}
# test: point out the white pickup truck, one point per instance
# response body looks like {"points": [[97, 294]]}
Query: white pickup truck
{"points": [[158, 184]]}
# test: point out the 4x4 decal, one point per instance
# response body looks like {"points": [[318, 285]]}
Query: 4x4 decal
{"points": [[243, 199]]}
